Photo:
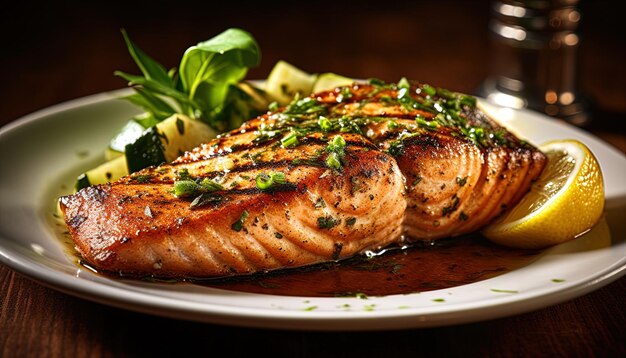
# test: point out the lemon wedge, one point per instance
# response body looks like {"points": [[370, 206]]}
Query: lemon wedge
{"points": [[565, 202]]}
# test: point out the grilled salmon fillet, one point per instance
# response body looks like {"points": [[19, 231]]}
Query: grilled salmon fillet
{"points": [[327, 177]]}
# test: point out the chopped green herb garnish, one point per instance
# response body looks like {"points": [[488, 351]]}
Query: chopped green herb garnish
{"points": [[210, 185], [183, 174], [350, 221], [387, 100], [290, 140], [269, 181], [403, 83], [429, 125], [447, 210], [336, 152], [325, 124], [188, 187], [305, 105], [319, 203], [204, 199], [333, 161], [314, 162], [429, 90], [142, 178], [327, 222], [376, 82], [336, 145], [396, 148], [468, 101], [344, 94], [185, 188], [503, 291], [238, 225], [461, 181]]}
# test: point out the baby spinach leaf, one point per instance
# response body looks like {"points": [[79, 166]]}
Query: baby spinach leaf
{"points": [[149, 67], [203, 85], [209, 68]]}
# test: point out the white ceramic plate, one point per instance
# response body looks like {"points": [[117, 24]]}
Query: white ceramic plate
{"points": [[42, 152]]}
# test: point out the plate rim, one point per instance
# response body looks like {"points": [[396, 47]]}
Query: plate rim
{"points": [[93, 290]]}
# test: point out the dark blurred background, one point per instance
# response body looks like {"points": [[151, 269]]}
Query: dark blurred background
{"points": [[60, 50]]}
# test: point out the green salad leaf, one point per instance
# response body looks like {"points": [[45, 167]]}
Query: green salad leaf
{"points": [[149, 67], [203, 87]]}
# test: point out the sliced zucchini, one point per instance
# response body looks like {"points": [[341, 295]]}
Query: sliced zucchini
{"points": [[159, 144], [166, 141], [329, 80], [286, 81], [180, 133], [128, 134], [106, 172], [147, 150], [110, 154], [259, 99]]}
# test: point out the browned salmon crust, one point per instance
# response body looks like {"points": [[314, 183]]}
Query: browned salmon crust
{"points": [[406, 173]]}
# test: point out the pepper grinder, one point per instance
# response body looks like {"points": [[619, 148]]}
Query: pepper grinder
{"points": [[534, 57]]}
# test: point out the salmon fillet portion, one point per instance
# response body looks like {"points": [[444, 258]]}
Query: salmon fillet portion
{"points": [[138, 226], [354, 169]]}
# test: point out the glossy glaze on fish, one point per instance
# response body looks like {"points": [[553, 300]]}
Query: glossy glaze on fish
{"points": [[412, 163]]}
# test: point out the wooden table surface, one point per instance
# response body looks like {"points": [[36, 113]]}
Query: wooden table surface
{"points": [[57, 52]]}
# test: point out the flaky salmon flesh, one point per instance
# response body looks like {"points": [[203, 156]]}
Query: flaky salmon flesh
{"points": [[332, 175]]}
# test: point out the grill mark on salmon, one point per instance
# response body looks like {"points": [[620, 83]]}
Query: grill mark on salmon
{"points": [[410, 170], [205, 152]]}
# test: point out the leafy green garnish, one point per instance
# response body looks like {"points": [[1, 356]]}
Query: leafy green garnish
{"points": [[336, 151], [238, 225], [209, 68], [333, 161], [189, 187], [185, 188], [202, 86], [290, 140], [269, 181], [327, 222]]}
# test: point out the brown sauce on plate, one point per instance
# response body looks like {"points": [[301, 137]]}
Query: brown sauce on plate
{"points": [[422, 267]]}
